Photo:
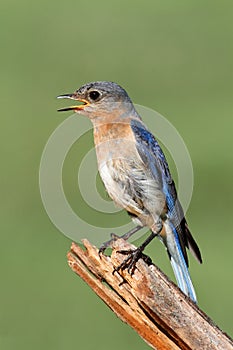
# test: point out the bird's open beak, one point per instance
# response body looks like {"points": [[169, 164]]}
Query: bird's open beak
{"points": [[73, 108]]}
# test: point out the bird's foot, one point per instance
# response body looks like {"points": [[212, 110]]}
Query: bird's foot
{"points": [[130, 261], [114, 237], [108, 244]]}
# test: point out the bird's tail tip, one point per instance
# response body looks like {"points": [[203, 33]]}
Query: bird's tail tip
{"points": [[184, 280], [178, 262]]}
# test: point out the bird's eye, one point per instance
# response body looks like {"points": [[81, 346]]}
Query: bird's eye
{"points": [[94, 95]]}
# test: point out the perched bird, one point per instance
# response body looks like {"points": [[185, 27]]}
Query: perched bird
{"points": [[136, 175]]}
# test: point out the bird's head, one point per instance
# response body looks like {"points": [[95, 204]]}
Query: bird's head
{"points": [[100, 99]]}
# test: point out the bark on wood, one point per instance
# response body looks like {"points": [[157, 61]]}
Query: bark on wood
{"points": [[151, 304]]}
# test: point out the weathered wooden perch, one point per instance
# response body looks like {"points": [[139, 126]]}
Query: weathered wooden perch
{"points": [[151, 304]]}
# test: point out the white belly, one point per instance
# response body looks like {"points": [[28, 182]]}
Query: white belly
{"points": [[131, 187]]}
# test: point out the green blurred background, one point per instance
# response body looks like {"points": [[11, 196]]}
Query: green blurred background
{"points": [[174, 57]]}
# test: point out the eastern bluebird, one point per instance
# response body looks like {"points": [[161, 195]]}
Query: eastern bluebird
{"points": [[136, 175]]}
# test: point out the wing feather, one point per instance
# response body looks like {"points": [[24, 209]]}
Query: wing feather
{"points": [[154, 158]]}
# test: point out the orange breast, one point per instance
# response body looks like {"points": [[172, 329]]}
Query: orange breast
{"points": [[110, 131]]}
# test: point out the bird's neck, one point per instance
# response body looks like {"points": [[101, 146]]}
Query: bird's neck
{"points": [[105, 131]]}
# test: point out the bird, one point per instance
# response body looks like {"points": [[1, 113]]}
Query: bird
{"points": [[136, 176]]}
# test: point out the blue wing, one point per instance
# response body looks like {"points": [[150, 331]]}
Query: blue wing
{"points": [[154, 158]]}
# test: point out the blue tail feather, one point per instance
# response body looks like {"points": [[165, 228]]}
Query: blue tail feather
{"points": [[178, 261]]}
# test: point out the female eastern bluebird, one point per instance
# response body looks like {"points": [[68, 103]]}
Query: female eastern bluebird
{"points": [[135, 173]]}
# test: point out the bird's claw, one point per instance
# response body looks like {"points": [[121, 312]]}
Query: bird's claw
{"points": [[130, 261], [108, 243]]}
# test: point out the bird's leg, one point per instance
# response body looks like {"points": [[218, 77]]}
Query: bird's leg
{"points": [[114, 237], [133, 255]]}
